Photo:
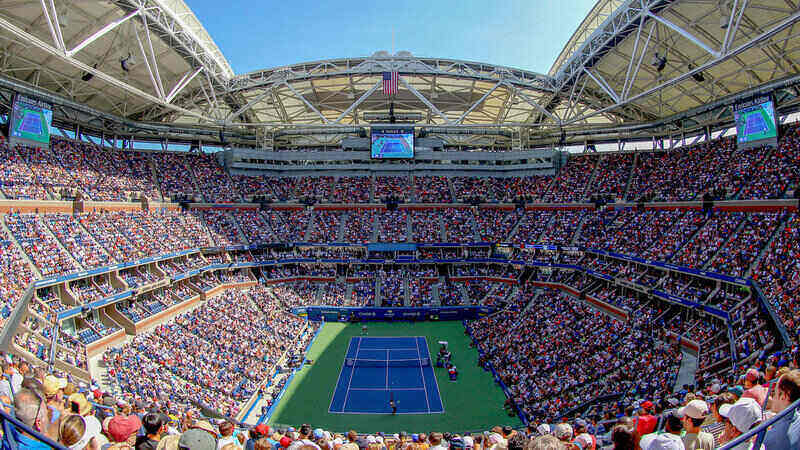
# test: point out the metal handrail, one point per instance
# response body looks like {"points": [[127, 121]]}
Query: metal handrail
{"points": [[9, 436], [761, 430]]}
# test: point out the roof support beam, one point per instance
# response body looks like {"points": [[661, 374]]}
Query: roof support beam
{"points": [[355, 104], [689, 36], [730, 33], [630, 78], [603, 84], [754, 41], [425, 100], [55, 31], [250, 104], [101, 32], [182, 83], [539, 107], [479, 102], [153, 55], [34, 41], [147, 64], [308, 104]]}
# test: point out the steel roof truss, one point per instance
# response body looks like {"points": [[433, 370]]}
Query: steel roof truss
{"points": [[424, 100], [692, 38], [750, 43], [355, 104], [479, 101], [308, 104], [101, 32]]}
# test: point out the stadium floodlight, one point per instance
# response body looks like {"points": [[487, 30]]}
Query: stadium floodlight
{"points": [[87, 76], [659, 62], [124, 63], [699, 77]]}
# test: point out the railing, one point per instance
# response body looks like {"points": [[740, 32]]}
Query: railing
{"points": [[761, 430], [12, 427]]}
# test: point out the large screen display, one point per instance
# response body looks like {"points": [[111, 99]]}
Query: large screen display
{"points": [[755, 122], [31, 119], [392, 143]]}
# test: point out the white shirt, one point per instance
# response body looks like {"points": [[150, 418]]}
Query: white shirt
{"points": [[16, 381], [5, 388], [222, 442]]}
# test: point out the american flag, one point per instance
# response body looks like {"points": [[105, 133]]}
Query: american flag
{"points": [[390, 83]]}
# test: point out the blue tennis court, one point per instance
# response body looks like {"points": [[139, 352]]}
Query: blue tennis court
{"points": [[377, 370]]}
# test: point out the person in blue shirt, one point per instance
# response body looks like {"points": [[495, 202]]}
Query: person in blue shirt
{"points": [[785, 433]]}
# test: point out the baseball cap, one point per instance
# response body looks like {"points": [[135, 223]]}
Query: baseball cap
{"points": [[543, 428], [52, 384], [120, 428], [696, 409], [285, 442], [580, 423], [647, 404], [318, 433], [197, 439], [665, 441], [736, 390], [262, 429], [742, 414], [469, 442]]}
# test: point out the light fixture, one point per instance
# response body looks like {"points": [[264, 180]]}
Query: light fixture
{"points": [[87, 76], [698, 76], [659, 62]]}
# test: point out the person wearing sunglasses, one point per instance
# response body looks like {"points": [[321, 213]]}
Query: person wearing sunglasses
{"points": [[31, 409]]}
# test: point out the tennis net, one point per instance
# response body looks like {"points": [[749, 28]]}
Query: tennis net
{"points": [[352, 362]]}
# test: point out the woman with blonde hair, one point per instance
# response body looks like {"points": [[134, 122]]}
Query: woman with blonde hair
{"points": [[77, 432]]}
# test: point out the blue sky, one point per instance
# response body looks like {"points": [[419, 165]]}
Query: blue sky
{"points": [[526, 34]]}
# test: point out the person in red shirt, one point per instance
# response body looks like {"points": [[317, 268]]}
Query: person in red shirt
{"points": [[752, 389], [646, 422]]}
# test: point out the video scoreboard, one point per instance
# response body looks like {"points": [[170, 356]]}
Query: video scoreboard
{"points": [[30, 121], [392, 142], [756, 123]]}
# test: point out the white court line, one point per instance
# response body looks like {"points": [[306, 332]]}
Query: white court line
{"points": [[381, 389], [330, 405], [439, 392], [344, 405], [422, 374], [387, 369]]}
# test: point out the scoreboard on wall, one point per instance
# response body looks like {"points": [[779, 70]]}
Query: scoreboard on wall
{"points": [[756, 122], [392, 142], [30, 121]]}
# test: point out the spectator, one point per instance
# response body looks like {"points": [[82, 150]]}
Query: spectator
{"points": [[752, 388], [155, 426], [694, 414], [624, 436], [740, 418], [669, 439], [78, 432], [225, 435], [785, 434]]}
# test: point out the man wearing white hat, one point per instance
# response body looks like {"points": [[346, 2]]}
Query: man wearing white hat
{"points": [[740, 418], [694, 413]]}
